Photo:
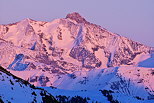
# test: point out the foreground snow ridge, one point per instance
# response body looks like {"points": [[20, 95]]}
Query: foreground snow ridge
{"points": [[75, 61], [15, 90]]}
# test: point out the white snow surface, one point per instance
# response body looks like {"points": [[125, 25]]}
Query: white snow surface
{"points": [[127, 81], [14, 90]]}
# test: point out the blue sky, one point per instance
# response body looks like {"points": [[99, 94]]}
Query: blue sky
{"points": [[130, 18]]}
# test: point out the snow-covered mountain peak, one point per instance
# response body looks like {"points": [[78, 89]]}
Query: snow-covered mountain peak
{"points": [[76, 17], [72, 40], [27, 20], [70, 53]]}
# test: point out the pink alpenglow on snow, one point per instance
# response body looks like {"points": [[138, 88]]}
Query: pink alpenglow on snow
{"points": [[74, 59]]}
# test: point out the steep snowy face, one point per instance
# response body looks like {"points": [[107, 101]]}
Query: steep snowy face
{"points": [[15, 90], [114, 49], [68, 44]]}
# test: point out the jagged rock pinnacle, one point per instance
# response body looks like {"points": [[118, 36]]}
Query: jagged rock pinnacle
{"points": [[77, 17]]}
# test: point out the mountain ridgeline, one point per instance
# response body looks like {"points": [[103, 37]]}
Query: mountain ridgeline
{"points": [[66, 43], [14, 90]]}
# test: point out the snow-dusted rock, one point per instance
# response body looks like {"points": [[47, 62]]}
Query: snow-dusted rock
{"points": [[73, 54], [16, 90]]}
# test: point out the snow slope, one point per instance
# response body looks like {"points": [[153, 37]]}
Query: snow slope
{"points": [[127, 81], [16, 90], [71, 39], [95, 96]]}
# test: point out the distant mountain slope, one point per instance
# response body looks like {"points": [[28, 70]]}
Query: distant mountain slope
{"points": [[131, 81], [16, 90], [68, 43]]}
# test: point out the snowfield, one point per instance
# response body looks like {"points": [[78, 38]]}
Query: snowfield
{"points": [[16, 90]]}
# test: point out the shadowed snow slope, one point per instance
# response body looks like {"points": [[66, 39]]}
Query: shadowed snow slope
{"points": [[15, 90], [149, 63]]}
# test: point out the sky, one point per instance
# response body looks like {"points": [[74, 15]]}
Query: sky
{"points": [[130, 18]]}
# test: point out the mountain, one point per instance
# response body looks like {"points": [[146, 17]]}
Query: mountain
{"points": [[70, 41], [127, 82], [77, 57], [15, 90]]}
